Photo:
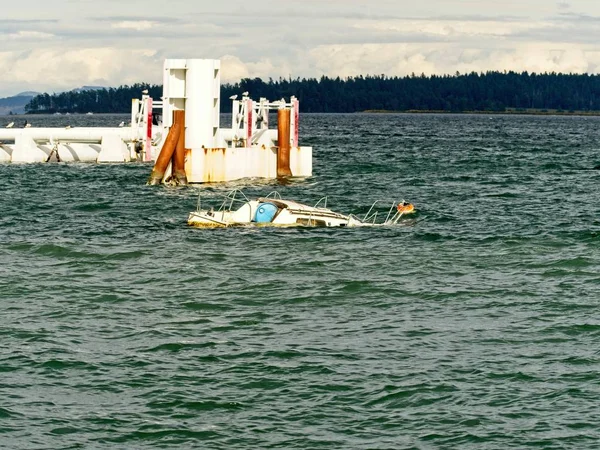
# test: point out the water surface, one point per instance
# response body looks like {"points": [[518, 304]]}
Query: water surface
{"points": [[473, 325]]}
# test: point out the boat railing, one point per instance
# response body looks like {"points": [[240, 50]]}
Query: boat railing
{"points": [[371, 216], [392, 217], [199, 203], [389, 214], [322, 199], [228, 200], [396, 216], [355, 217], [274, 195]]}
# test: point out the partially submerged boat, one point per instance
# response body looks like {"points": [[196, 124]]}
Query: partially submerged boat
{"points": [[237, 210]]}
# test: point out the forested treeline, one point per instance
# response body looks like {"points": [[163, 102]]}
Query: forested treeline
{"points": [[490, 91], [111, 100]]}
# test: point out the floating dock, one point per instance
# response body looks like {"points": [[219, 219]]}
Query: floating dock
{"points": [[32, 145], [84, 144], [188, 143]]}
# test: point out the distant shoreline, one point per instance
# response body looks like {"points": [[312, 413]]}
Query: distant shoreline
{"points": [[508, 111]]}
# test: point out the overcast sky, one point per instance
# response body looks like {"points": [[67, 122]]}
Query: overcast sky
{"points": [[54, 45]]}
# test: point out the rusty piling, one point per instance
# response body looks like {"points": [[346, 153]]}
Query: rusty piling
{"points": [[178, 161], [283, 138], [166, 153]]}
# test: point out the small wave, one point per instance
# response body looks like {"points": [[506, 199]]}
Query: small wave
{"points": [[173, 436], [577, 329], [182, 346], [5, 413], [200, 306], [56, 364], [65, 430], [59, 251], [96, 206], [513, 376], [355, 286], [415, 395], [207, 405]]}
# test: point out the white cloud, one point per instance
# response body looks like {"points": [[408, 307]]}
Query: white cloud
{"points": [[118, 44], [28, 35], [456, 28], [404, 59], [233, 69], [138, 25], [56, 69]]}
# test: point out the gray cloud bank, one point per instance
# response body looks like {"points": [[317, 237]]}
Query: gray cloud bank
{"points": [[70, 44]]}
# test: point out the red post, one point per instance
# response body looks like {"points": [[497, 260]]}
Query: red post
{"points": [[148, 143], [248, 121], [296, 112]]}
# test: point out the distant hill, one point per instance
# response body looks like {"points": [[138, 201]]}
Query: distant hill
{"points": [[88, 88], [28, 94], [16, 104]]}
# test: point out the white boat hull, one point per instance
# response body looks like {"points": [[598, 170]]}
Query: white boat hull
{"points": [[277, 212]]}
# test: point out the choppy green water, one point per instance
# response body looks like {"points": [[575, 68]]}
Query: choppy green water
{"points": [[476, 325]]}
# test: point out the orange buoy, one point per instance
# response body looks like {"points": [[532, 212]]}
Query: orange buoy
{"points": [[405, 208]]}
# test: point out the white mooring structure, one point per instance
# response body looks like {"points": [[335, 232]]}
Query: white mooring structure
{"points": [[191, 91]]}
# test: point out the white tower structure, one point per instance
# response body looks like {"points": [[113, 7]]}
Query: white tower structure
{"points": [[221, 154]]}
